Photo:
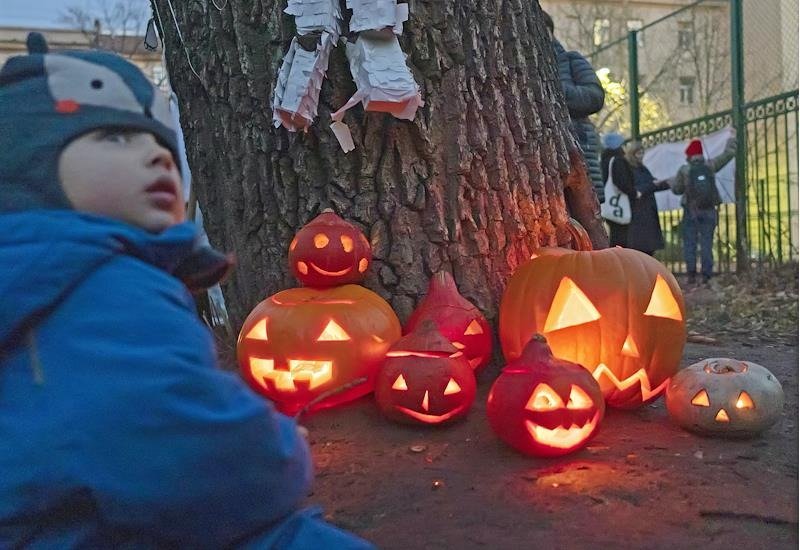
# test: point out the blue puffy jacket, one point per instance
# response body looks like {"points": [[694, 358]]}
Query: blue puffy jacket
{"points": [[117, 427]]}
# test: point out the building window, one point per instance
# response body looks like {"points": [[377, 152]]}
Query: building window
{"points": [[602, 31], [686, 89], [635, 25], [685, 35]]}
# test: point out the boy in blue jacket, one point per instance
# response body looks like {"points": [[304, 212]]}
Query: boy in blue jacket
{"points": [[117, 426]]}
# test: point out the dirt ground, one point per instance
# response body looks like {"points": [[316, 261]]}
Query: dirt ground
{"points": [[641, 483]]}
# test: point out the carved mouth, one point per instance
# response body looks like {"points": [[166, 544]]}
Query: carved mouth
{"points": [[560, 437], [321, 271], [429, 418], [303, 373], [639, 376]]}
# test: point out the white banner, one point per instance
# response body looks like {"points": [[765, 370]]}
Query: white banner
{"points": [[664, 161]]}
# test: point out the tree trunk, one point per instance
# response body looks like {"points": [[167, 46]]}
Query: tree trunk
{"points": [[472, 185]]}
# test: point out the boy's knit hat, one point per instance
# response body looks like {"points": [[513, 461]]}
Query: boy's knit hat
{"points": [[694, 148], [49, 99]]}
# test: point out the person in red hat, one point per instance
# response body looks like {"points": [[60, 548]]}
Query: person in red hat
{"points": [[695, 181]]}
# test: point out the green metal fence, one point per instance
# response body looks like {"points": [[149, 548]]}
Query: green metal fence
{"points": [[706, 66]]}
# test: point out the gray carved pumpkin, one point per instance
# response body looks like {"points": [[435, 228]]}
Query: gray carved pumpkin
{"points": [[725, 397]]}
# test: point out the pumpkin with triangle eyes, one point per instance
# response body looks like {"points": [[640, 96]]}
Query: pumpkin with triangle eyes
{"points": [[618, 312], [544, 406], [725, 397], [303, 342], [329, 251], [424, 379], [456, 318]]}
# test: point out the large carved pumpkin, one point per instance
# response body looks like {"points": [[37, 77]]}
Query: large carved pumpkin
{"points": [[456, 318], [329, 251], [618, 312], [544, 406], [302, 342], [725, 397], [425, 379]]}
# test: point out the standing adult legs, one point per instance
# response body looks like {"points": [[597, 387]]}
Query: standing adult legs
{"points": [[690, 243], [707, 223]]}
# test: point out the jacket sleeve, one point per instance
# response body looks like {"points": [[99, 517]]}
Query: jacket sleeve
{"points": [[623, 177], [585, 96], [174, 448], [651, 186], [725, 157], [678, 183]]}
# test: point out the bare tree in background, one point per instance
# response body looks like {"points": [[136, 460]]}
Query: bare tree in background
{"points": [[116, 26]]}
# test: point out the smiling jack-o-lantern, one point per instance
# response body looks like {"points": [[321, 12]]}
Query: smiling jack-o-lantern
{"points": [[302, 342], [544, 406], [425, 379], [329, 251], [725, 397], [617, 312], [456, 318]]}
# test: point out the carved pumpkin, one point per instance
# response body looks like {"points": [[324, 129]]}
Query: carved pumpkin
{"points": [[544, 406], [725, 397], [302, 342], [456, 318], [618, 312], [329, 251], [425, 379]]}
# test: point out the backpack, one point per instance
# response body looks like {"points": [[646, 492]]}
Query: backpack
{"points": [[701, 189]]}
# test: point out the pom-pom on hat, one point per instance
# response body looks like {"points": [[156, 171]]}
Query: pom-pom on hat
{"points": [[694, 148], [47, 99]]}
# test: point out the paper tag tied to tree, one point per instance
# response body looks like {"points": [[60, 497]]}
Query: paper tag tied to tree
{"points": [[369, 15], [315, 16]]}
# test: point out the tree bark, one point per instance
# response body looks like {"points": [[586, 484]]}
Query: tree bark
{"points": [[472, 185]]}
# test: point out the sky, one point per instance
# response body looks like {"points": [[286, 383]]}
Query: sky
{"points": [[46, 13]]}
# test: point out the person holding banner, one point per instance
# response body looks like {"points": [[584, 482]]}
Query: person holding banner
{"points": [[620, 191], [644, 231], [696, 182]]}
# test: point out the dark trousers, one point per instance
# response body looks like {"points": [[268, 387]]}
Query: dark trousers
{"points": [[698, 227], [617, 234]]}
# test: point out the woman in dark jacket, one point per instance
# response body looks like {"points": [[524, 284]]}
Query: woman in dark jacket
{"points": [[644, 231], [622, 176]]}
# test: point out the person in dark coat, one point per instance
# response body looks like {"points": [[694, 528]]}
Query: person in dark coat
{"points": [[585, 96], [622, 176], [644, 231]]}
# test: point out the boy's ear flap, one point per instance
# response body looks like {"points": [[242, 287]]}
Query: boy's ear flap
{"points": [[36, 43], [204, 268]]}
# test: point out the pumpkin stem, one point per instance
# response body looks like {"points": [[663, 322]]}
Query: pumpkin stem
{"points": [[537, 349]]}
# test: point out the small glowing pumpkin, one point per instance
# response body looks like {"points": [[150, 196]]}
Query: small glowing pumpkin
{"points": [[425, 379], [725, 397], [302, 342], [616, 311], [456, 318], [544, 406], [328, 251]]}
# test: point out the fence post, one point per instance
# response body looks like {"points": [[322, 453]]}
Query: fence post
{"points": [[633, 79], [737, 100]]}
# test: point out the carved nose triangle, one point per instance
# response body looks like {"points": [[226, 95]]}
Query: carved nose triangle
{"points": [[629, 348]]}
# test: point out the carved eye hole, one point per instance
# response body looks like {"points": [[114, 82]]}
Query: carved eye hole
{"points": [[744, 401], [259, 331], [544, 398], [473, 328], [701, 399], [662, 302], [347, 243], [333, 333], [400, 383], [570, 307], [320, 240], [578, 399], [452, 387]]}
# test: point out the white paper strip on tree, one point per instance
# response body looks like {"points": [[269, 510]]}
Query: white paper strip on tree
{"points": [[316, 16], [383, 81], [299, 82], [377, 15]]}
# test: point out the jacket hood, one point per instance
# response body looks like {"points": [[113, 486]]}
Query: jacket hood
{"points": [[44, 254]]}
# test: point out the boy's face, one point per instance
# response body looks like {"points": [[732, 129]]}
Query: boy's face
{"points": [[123, 174]]}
